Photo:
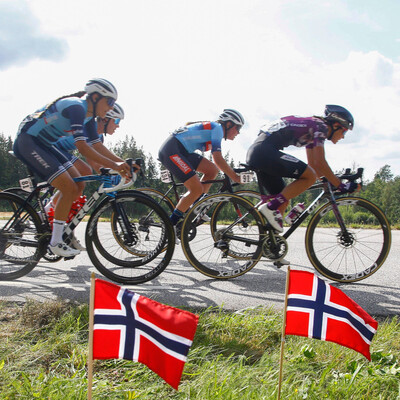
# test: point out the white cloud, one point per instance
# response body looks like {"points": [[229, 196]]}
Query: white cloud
{"points": [[22, 40], [176, 61]]}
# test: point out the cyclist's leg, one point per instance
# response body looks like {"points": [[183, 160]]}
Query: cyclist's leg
{"points": [[209, 171], [298, 186], [83, 169], [50, 164], [182, 165]]}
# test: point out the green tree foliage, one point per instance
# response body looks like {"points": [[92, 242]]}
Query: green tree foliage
{"points": [[383, 190]]}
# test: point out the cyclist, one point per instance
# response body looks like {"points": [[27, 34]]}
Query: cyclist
{"points": [[95, 138], [265, 156], [68, 115], [178, 155]]}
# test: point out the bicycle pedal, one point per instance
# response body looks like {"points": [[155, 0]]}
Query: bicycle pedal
{"points": [[69, 258]]}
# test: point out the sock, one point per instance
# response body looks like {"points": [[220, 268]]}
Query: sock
{"points": [[49, 205], [276, 202], [266, 197], [176, 216], [58, 230]]}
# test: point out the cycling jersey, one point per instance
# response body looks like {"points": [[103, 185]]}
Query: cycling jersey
{"points": [[65, 118], [203, 136], [67, 143], [296, 131]]}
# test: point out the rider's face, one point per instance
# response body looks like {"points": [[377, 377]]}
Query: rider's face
{"points": [[232, 132]]}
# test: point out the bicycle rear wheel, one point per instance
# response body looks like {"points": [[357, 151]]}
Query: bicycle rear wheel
{"points": [[231, 244], [160, 198], [353, 253], [130, 261], [20, 231]]}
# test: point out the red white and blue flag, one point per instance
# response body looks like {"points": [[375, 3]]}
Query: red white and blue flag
{"points": [[318, 310], [133, 327]]}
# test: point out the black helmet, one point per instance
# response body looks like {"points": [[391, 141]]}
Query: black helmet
{"points": [[339, 114]]}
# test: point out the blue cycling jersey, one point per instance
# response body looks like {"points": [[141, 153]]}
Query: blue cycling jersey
{"points": [[67, 143], [67, 117], [201, 136]]}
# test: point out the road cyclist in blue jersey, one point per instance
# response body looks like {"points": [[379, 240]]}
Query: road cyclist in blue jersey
{"points": [[95, 138], [70, 115], [265, 155], [179, 155]]}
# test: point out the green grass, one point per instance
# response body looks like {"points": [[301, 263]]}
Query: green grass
{"points": [[43, 350]]}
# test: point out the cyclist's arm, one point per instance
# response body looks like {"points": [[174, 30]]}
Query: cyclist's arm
{"points": [[100, 148], [316, 160], [89, 152], [224, 166]]}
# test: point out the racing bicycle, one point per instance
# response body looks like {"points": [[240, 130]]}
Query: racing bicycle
{"points": [[129, 237], [347, 238]]}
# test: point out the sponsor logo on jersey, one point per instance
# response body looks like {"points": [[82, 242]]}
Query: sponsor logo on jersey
{"points": [[207, 126], [207, 146], [180, 163], [290, 158]]}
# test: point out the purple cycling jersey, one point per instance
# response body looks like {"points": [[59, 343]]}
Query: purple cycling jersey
{"points": [[295, 131]]}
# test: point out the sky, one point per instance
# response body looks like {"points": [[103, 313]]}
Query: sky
{"points": [[174, 61]]}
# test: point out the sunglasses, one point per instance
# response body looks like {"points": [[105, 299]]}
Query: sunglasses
{"points": [[110, 101], [117, 121]]}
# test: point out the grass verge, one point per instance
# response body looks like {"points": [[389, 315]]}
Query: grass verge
{"points": [[43, 350]]}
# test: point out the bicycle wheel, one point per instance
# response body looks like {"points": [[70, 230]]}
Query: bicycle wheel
{"points": [[130, 261], [165, 202], [231, 245], [352, 253], [250, 195], [20, 237]]}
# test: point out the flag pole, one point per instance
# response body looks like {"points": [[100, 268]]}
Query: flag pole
{"points": [[91, 319], [283, 334]]}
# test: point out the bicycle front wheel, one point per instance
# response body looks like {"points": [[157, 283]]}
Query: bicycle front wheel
{"points": [[130, 258], [357, 250], [231, 245], [160, 198], [20, 231]]}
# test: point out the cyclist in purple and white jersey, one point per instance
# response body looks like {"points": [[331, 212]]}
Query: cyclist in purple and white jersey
{"points": [[178, 155], [266, 156], [39, 131]]}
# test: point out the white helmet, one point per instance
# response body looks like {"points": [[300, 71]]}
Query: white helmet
{"points": [[116, 113], [232, 115], [101, 86]]}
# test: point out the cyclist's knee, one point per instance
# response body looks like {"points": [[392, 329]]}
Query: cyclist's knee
{"points": [[309, 175]]}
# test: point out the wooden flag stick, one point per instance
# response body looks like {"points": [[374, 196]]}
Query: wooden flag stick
{"points": [[91, 319], [283, 334]]}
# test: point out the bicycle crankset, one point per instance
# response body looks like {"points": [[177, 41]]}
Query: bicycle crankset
{"points": [[276, 248]]}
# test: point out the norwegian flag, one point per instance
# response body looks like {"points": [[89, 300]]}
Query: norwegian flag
{"points": [[133, 327], [317, 310]]}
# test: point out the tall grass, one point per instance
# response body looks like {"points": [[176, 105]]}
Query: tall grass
{"points": [[43, 354]]}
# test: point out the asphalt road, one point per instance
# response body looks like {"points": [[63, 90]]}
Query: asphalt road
{"points": [[181, 285]]}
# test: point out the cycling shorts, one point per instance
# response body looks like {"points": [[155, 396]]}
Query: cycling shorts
{"points": [[178, 160], [271, 165], [47, 162]]}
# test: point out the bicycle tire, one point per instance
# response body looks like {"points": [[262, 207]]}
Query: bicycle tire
{"points": [[20, 244], [145, 259], [250, 195], [356, 254], [166, 203], [210, 250]]}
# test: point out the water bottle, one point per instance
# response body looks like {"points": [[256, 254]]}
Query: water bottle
{"points": [[294, 213], [73, 211], [82, 200], [50, 216]]}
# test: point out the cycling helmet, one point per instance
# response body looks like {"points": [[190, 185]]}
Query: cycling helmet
{"points": [[232, 115], [339, 114], [116, 113], [101, 86]]}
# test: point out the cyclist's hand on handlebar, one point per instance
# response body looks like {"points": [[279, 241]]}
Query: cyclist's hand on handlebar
{"points": [[348, 187], [124, 169]]}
